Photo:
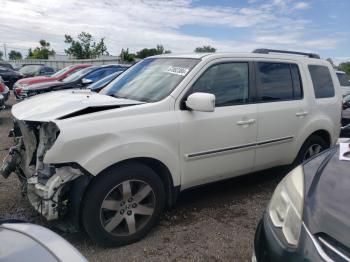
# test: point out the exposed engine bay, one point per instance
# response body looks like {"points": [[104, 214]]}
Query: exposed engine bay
{"points": [[45, 185]]}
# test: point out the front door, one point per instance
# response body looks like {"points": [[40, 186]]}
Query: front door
{"points": [[220, 144]]}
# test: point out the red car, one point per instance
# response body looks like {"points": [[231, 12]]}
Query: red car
{"points": [[59, 75]]}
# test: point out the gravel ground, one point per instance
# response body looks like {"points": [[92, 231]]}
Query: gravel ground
{"points": [[210, 223]]}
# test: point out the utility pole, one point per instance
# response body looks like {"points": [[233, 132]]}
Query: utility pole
{"points": [[5, 51]]}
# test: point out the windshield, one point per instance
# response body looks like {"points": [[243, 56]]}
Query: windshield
{"points": [[104, 81], [76, 75], [152, 79], [343, 79], [29, 69], [62, 71]]}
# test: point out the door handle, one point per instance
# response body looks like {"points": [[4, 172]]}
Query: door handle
{"points": [[299, 114], [246, 122]]}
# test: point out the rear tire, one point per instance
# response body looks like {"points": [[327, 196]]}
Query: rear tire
{"points": [[123, 204], [311, 147]]}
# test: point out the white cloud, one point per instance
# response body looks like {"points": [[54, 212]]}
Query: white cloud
{"points": [[135, 24], [302, 5]]}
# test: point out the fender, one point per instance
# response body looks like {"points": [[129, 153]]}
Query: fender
{"points": [[314, 125], [101, 151]]}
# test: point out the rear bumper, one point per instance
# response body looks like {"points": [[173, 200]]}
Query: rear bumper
{"points": [[2, 102], [269, 245], [6, 95]]}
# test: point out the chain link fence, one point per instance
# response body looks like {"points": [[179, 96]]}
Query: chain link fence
{"points": [[59, 64]]}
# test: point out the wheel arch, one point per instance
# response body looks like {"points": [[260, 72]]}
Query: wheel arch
{"points": [[159, 168], [81, 185], [324, 134]]}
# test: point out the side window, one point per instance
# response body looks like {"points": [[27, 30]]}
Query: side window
{"points": [[95, 75], [110, 71], [228, 82], [322, 81], [49, 69], [297, 83], [276, 82], [343, 79]]}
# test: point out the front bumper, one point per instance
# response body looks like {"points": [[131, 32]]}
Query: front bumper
{"points": [[44, 184], [269, 245]]}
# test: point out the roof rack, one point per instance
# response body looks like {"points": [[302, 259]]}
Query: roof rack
{"points": [[267, 51]]}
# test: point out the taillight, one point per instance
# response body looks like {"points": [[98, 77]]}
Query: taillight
{"points": [[2, 87], [18, 91]]}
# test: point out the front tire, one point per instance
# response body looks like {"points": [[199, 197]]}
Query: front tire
{"points": [[123, 204]]}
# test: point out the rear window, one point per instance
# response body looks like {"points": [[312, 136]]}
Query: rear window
{"points": [[279, 82], [322, 81], [343, 79]]}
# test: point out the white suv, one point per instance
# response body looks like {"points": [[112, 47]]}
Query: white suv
{"points": [[344, 82], [112, 162]]}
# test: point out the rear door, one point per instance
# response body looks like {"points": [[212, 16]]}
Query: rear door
{"points": [[282, 112]]}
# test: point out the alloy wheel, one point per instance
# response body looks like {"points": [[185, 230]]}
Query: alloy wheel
{"points": [[127, 207], [312, 150]]}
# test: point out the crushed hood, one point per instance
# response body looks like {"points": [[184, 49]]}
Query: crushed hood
{"points": [[64, 104]]}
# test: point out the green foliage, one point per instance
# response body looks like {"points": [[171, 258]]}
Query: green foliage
{"points": [[146, 52], [15, 55], [41, 52], [85, 46], [345, 67], [126, 56], [331, 61], [205, 49], [1, 55]]}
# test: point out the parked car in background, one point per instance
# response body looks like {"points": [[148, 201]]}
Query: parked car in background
{"points": [[174, 122], [346, 101], [100, 84], [19, 66], [308, 217], [344, 82], [4, 90], [7, 65], [79, 79], [36, 70], [9, 76], [33, 243], [59, 75], [2, 102]]}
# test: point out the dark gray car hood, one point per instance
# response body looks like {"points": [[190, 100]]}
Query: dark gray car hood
{"points": [[327, 196], [46, 85]]}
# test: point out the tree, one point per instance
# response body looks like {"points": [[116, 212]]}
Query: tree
{"points": [[41, 52], [331, 62], [1, 55], [85, 46], [152, 51], [205, 49], [15, 55], [126, 56], [345, 67]]}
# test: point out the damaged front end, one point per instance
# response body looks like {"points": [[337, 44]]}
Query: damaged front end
{"points": [[46, 185]]}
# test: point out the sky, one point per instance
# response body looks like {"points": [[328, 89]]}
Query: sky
{"points": [[320, 26]]}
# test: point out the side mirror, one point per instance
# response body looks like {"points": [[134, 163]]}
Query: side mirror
{"points": [[203, 102], [86, 81]]}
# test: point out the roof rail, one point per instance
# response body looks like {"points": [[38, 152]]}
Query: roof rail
{"points": [[267, 51]]}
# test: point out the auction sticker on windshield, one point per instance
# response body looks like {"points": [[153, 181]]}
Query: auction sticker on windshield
{"points": [[177, 70]]}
